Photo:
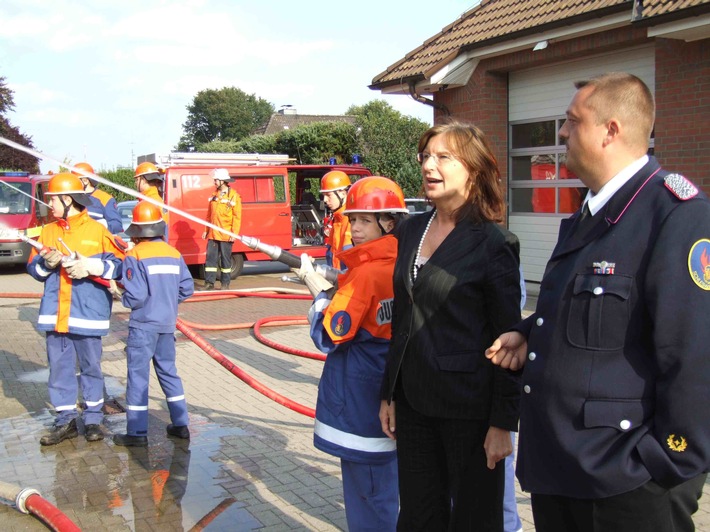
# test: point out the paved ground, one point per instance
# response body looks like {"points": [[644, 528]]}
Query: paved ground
{"points": [[249, 465]]}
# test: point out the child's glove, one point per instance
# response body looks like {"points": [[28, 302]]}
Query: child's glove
{"points": [[314, 282], [116, 291], [82, 267], [51, 257]]}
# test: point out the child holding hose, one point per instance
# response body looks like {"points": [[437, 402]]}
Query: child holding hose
{"points": [[352, 325]]}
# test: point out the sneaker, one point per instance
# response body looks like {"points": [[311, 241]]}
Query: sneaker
{"points": [[93, 433], [179, 431], [60, 433], [126, 440]]}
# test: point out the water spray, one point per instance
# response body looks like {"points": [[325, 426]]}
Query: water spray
{"points": [[24, 193], [274, 252]]}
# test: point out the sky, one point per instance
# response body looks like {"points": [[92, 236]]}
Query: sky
{"points": [[107, 81]]}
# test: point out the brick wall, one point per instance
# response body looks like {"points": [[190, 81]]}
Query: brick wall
{"points": [[683, 108]]}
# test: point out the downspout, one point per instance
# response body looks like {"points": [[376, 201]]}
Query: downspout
{"points": [[426, 101]]}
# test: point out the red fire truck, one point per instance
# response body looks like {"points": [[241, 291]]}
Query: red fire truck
{"points": [[279, 201]]}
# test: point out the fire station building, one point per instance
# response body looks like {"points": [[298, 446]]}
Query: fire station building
{"points": [[509, 66]]}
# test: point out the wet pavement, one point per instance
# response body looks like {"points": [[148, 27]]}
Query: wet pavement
{"points": [[250, 463]]}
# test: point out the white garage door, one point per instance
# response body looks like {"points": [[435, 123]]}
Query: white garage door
{"points": [[538, 99]]}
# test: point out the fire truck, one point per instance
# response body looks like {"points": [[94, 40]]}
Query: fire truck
{"points": [[22, 213], [280, 204]]}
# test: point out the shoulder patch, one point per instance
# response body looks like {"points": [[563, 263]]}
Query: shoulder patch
{"points": [[340, 323], [680, 186], [699, 263]]}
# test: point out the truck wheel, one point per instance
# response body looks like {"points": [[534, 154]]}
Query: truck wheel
{"points": [[237, 265]]}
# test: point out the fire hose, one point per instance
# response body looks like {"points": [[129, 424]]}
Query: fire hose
{"points": [[29, 500]]}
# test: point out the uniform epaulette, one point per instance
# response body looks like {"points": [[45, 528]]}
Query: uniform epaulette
{"points": [[681, 187]]}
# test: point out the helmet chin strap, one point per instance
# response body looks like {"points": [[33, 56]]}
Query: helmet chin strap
{"points": [[66, 208]]}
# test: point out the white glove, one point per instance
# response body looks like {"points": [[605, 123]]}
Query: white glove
{"points": [[116, 291], [51, 257], [314, 282], [82, 267]]}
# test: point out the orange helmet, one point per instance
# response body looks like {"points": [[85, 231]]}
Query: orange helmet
{"points": [[149, 171], [375, 194], [69, 185], [86, 167], [147, 221], [334, 180]]}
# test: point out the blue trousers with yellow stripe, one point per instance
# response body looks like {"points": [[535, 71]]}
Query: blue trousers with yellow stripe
{"points": [[63, 351], [144, 346]]}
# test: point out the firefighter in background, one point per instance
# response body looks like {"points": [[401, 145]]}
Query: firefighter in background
{"points": [[155, 279], [74, 311], [149, 182], [225, 211], [336, 227], [353, 326], [103, 206]]}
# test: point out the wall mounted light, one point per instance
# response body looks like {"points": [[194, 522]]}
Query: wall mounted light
{"points": [[540, 46]]}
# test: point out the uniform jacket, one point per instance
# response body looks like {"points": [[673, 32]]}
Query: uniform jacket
{"points": [[338, 237], [156, 279], [354, 329], [78, 306], [224, 210], [466, 294], [103, 209], [616, 383]]}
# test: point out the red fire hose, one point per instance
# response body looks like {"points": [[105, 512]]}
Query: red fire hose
{"points": [[29, 500]]}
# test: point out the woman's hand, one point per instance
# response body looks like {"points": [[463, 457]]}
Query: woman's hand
{"points": [[498, 445], [387, 419]]}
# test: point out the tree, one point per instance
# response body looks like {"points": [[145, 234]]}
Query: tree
{"points": [[10, 158], [225, 114], [388, 142]]}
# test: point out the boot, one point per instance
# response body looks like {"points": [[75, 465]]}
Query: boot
{"points": [[93, 433], [60, 433], [179, 431], [126, 440], [207, 286]]}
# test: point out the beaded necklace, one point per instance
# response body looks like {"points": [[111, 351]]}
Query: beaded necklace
{"points": [[415, 266]]}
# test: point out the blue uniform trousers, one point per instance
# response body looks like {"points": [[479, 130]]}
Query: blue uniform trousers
{"points": [[63, 351], [144, 346], [371, 496]]}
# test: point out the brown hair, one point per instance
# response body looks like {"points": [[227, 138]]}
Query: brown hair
{"points": [[468, 144], [622, 95]]}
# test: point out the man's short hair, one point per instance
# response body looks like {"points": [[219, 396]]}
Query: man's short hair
{"points": [[626, 97]]}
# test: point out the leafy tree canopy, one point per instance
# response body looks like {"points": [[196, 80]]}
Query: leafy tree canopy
{"points": [[10, 158], [222, 115]]}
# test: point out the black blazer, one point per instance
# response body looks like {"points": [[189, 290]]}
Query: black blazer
{"points": [[464, 297]]}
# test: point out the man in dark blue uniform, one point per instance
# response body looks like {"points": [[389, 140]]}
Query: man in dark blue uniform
{"points": [[614, 430]]}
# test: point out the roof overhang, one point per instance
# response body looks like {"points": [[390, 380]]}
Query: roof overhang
{"points": [[688, 29], [457, 69]]}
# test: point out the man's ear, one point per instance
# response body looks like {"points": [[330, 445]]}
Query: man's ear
{"points": [[613, 129]]}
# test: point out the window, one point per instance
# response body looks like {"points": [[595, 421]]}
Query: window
{"points": [[539, 180], [261, 188]]}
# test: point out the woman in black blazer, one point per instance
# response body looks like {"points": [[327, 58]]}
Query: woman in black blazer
{"points": [[456, 288]]}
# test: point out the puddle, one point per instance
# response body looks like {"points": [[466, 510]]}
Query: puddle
{"points": [[169, 485]]}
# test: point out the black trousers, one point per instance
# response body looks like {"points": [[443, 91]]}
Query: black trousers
{"points": [[218, 252], [650, 508], [444, 483]]}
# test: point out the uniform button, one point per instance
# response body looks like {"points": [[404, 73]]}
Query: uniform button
{"points": [[598, 291], [532, 356], [539, 322], [526, 388], [625, 424]]}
